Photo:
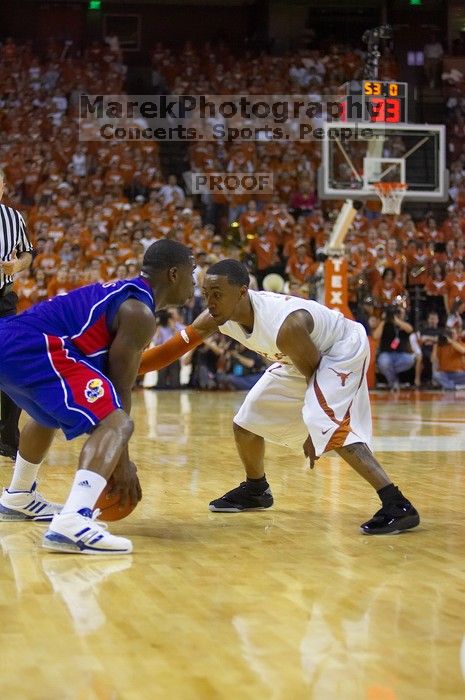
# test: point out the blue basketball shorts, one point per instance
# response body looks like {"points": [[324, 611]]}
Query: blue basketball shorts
{"points": [[53, 382]]}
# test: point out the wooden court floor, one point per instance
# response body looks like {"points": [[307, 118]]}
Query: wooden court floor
{"points": [[286, 604]]}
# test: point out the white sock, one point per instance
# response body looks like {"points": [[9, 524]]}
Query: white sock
{"points": [[86, 489], [24, 474]]}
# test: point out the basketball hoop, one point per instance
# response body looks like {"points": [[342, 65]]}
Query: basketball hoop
{"points": [[391, 195]]}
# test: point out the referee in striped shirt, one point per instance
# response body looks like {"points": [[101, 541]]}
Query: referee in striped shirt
{"points": [[15, 255]]}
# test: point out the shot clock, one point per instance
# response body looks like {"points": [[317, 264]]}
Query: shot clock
{"points": [[379, 101]]}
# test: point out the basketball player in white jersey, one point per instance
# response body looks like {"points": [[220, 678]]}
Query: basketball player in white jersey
{"points": [[315, 394]]}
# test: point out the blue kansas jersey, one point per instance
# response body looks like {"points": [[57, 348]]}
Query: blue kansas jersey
{"points": [[85, 315], [54, 355]]}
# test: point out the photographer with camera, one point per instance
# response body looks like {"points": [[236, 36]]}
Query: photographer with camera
{"points": [[448, 360], [428, 335], [372, 38], [395, 354], [242, 368]]}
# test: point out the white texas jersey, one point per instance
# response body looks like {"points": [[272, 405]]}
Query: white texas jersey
{"points": [[271, 310]]}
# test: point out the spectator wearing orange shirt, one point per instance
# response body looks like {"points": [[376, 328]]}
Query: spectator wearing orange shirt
{"points": [[300, 265], [388, 288], [41, 285], [284, 218], [436, 291], [110, 261], [285, 184], [431, 230], [380, 263], [48, 261], [460, 247], [396, 260], [265, 250], [418, 263], [25, 287], [56, 229], [449, 255], [96, 248], [455, 284], [125, 250], [448, 360], [98, 269], [455, 226], [58, 284], [249, 221]]}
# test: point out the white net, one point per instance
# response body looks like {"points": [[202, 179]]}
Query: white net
{"points": [[391, 195]]}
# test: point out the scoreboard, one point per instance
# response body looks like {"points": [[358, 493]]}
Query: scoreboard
{"points": [[374, 101]]}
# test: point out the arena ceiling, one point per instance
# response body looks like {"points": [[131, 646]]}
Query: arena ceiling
{"points": [[221, 3]]}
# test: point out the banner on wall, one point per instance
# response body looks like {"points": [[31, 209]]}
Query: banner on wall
{"points": [[336, 286]]}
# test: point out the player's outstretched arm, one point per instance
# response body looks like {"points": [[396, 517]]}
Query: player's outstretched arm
{"points": [[182, 342], [205, 324]]}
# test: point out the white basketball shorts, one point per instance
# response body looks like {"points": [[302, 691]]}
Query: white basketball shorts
{"points": [[334, 409]]}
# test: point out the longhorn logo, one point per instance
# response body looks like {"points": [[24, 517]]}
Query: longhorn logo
{"points": [[343, 376]]}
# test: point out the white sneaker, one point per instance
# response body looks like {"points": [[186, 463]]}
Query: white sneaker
{"points": [[27, 505], [79, 533]]}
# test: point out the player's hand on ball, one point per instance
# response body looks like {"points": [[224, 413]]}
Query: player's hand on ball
{"points": [[125, 483], [309, 451]]}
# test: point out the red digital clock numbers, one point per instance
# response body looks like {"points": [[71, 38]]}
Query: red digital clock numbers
{"points": [[384, 109]]}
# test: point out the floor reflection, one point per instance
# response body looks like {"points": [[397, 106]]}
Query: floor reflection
{"points": [[20, 544], [76, 579]]}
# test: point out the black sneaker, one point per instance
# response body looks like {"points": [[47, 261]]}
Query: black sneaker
{"points": [[240, 499], [8, 451], [391, 520]]}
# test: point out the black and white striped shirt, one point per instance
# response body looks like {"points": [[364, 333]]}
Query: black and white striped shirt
{"points": [[13, 238]]}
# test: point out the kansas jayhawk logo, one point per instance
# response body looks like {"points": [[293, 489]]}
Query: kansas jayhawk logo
{"points": [[94, 390]]}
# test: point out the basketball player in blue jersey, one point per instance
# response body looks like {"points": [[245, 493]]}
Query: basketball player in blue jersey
{"points": [[71, 363]]}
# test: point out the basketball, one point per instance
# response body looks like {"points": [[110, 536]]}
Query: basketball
{"points": [[109, 505]]}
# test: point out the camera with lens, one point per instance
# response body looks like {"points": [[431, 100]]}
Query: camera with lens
{"points": [[373, 35], [444, 336], [390, 312]]}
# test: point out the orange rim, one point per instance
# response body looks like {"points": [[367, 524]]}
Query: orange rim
{"points": [[388, 187]]}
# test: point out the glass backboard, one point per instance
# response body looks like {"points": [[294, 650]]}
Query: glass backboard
{"points": [[356, 155]]}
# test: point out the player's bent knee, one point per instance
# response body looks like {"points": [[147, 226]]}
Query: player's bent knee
{"points": [[121, 423], [127, 427], [240, 432]]}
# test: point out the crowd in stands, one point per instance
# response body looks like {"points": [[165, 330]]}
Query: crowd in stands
{"points": [[93, 208]]}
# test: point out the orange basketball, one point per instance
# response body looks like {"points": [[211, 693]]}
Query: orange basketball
{"points": [[109, 505]]}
